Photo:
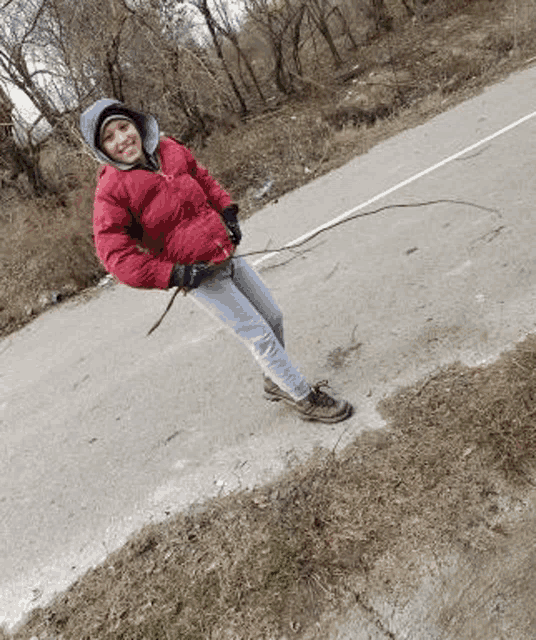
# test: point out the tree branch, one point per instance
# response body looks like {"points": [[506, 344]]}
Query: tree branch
{"points": [[51, 73], [32, 27]]}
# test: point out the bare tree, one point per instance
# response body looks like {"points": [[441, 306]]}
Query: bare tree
{"points": [[189, 83], [18, 44], [36, 57], [289, 25], [320, 11], [297, 38], [337, 11], [16, 158], [226, 27], [381, 17], [276, 21], [210, 21], [93, 38]]}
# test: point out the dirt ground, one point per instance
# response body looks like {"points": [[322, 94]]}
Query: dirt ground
{"points": [[377, 528]]}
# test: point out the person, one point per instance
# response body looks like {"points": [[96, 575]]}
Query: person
{"points": [[160, 220]]}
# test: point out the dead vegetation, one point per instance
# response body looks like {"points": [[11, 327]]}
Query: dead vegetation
{"points": [[393, 80], [269, 563]]}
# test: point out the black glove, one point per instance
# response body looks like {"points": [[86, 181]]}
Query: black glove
{"points": [[231, 222], [189, 276]]}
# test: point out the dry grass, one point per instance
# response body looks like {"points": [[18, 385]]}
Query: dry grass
{"points": [[46, 245], [270, 562], [404, 78], [273, 561]]}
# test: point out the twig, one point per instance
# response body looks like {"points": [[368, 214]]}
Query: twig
{"points": [[317, 580], [370, 213], [374, 616], [331, 272], [328, 144], [338, 440], [523, 369], [474, 155], [171, 301], [262, 116], [331, 226], [388, 84], [297, 255], [423, 386], [309, 81]]}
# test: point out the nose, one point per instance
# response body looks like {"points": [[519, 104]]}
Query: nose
{"points": [[121, 136]]}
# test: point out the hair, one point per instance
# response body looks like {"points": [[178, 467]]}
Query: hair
{"points": [[115, 112]]}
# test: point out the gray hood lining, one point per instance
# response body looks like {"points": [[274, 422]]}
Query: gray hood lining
{"points": [[146, 124]]}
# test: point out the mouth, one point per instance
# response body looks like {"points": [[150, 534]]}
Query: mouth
{"points": [[129, 150]]}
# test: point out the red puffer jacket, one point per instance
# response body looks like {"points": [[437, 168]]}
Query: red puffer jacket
{"points": [[145, 222]]}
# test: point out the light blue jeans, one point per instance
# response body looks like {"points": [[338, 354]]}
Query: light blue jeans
{"points": [[238, 297]]}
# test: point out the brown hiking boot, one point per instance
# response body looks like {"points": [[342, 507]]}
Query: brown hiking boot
{"points": [[322, 407], [274, 393], [318, 406]]}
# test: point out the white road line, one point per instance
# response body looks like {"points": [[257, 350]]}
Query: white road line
{"points": [[402, 184]]}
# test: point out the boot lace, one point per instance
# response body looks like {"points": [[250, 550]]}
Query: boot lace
{"points": [[321, 398]]}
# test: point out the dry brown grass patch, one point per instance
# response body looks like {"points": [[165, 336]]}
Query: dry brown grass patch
{"points": [[272, 561], [46, 251], [269, 562], [403, 78]]}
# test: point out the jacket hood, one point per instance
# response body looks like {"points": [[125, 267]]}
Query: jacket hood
{"points": [[92, 118]]}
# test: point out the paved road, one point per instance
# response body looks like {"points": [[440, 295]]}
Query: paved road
{"points": [[104, 429]]}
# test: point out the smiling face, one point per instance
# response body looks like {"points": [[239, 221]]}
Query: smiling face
{"points": [[121, 141]]}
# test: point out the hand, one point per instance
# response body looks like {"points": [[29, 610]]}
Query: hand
{"points": [[189, 276], [231, 222], [234, 232]]}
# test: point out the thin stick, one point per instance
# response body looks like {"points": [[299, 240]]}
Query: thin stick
{"points": [[370, 213], [171, 301], [353, 217]]}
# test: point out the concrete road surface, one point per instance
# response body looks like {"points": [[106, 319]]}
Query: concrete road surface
{"points": [[104, 429]]}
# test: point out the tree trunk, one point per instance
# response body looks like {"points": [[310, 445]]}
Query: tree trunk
{"points": [[6, 117], [194, 118], [383, 21], [345, 27], [283, 83], [202, 6], [242, 57], [321, 23], [296, 39]]}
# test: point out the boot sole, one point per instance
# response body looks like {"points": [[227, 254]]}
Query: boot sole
{"points": [[329, 420], [308, 418]]}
